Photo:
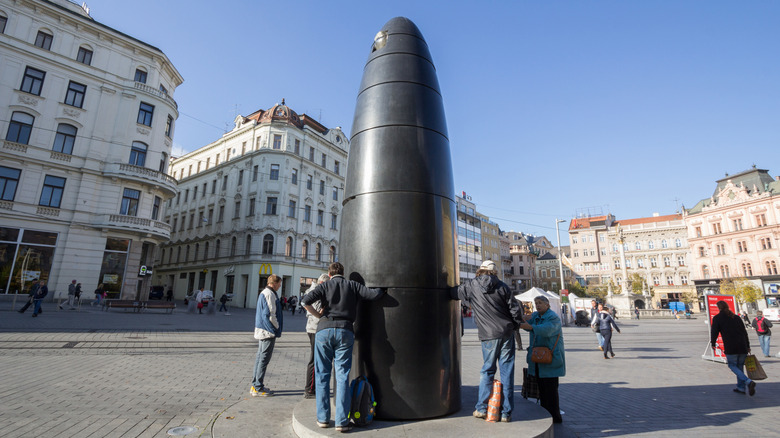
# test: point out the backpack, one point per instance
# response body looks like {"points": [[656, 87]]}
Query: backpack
{"points": [[761, 326], [363, 406]]}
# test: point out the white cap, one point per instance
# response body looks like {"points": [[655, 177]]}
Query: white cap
{"points": [[488, 265]]}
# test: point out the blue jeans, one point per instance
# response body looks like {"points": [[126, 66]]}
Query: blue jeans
{"points": [[264, 351], [763, 340], [37, 308], [600, 338], [736, 365], [333, 345], [500, 350]]}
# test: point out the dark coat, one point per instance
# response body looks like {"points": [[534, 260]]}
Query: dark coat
{"points": [[496, 311], [732, 329]]}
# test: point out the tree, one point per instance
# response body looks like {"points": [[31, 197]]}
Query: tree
{"points": [[727, 287], [598, 291], [747, 292], [636, 283], [576, 289], [689, 298]]}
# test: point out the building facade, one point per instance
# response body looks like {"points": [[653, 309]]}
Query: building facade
{"points": [[469, 237], [88, 116], [491, 246], [522, 268], [265, 198], [736, 233], [588, 243]]}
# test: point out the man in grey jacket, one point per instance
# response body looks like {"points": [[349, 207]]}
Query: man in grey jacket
{"points": [[71, 295], [497, 315]]}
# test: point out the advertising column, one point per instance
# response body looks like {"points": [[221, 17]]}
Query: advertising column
{"points": [[712, 309]]}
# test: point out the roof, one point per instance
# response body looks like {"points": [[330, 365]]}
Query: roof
{"points": [[648, 220], [548, 256], [587, 222], [755, 181], [283, 113]]}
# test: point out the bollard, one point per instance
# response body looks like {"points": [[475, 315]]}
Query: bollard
{"points": [[494, 404]]}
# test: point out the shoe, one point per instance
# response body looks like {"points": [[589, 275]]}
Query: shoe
{"points": [[611, 353], [265, 392], [323, 425], [61, 307], [478, 414], [506, 418], [308, 395], [601, 348], [606, 357], [253, 392], [343, 429], [752, 388], [738, 391], [20, 311], [35, 315]]}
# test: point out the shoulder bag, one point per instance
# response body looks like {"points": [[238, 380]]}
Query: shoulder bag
{"points": [[543, 355]]}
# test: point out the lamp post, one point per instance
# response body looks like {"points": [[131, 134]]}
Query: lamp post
{"points": [[560, 265]]}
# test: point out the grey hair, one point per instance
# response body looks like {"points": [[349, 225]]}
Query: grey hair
{"points": [[542, 298]]}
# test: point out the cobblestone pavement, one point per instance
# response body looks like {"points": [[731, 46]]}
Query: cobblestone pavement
{"points": [[90, 373]]}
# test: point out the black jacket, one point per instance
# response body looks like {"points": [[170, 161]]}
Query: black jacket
{"points": [[735, 337], [496, 311], [605, 320], [339, 298]]}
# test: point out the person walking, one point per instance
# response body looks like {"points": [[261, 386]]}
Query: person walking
{"points": [[605, 322], [762, 327], [71, 295], [636, 312], [497, 315], [99, 293], [77, 295], [736, 344], [334, 340], [310, 389], [594, 310], [223, 300], [40, 294], [268, 327], [291, 304], [30, 295], [546, 331]]}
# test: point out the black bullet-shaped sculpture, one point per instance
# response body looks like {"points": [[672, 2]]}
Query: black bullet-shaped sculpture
{"points": [[398, 231]]}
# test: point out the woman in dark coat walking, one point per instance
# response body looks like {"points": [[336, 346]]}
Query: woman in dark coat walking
{"points": [[605, 323]]}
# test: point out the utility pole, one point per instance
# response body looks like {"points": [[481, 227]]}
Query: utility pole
{"points": [[560, 254]]}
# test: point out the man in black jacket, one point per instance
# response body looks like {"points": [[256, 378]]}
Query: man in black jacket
{"points": [[497, 315], [736, 344]]}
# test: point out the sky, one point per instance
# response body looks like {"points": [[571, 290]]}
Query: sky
{"points": [[554, 108]]}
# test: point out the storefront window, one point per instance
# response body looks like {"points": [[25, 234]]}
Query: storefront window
{"points": [[112, 270], [24, 256]]}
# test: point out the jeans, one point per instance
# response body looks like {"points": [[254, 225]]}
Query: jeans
{"points": [[500, 350], [606, 335], [264, 351], [763, 340], [600, 338], [736, 364], [37, 308], [333, 345], [222, 307]]}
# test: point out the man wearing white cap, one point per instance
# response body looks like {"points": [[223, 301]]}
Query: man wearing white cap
{"points": [[497, 315]]}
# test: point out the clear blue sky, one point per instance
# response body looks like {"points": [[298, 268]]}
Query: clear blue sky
{"points": [[552, 106]]}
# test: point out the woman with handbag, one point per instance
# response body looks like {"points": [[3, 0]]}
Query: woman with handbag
{"points": [[605, 322], [546, 358]]}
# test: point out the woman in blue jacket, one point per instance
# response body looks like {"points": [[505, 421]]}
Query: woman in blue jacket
{"points": [[605, 323], [545, 331]]}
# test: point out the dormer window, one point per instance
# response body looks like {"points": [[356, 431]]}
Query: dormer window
{"points": [[43, 40]]}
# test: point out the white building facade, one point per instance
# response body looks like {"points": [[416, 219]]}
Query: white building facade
{"points": [[469, 237], [87, 116], [265, 198]]}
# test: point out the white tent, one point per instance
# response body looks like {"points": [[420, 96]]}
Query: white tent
{"points": [[530, 294]]}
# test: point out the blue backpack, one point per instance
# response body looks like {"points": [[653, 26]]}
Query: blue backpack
{"points": [[363, 406]]}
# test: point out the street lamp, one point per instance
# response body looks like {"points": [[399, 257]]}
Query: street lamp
{"points": [[560, 254]]}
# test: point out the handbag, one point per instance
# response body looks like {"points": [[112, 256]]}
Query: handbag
{"points": [[530, 385], [595, 328], [543, 355], [200, 305], [754, 369]]}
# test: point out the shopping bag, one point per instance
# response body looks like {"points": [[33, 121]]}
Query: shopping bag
{"points": [[754, 369], [530, 385]]}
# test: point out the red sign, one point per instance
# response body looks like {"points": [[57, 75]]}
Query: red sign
{"points": [[565, 292], [712, 310]]}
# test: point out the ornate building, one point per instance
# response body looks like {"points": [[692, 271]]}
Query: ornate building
{"points": [[736, 233], [88, 115], [265, 198]]}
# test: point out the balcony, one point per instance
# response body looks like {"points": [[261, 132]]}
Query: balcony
{"points": [[156, 93], [144, 175], [151, 227]]}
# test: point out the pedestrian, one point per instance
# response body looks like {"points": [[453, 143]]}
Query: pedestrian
{"points": [[43, 290], [99, 293], [762, 326], [497, 315], [311, 330], [605, 322], [199, 297], [268, 327], [746, 319], [546, 331], [636, 311], [334, 340], [169, 295], [71, 295], [30, 295], [223, 300], [291, 305], [594, 311], [736, 344], [77, 295]]}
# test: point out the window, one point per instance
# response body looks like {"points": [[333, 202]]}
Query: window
{"points": [[576, 253], [669, 280], [201, 219], [51, 195], [192, 221], [602, 238], [217, 246], [678, 243], [297, 147], [698, 231], [240, 177], [332, 254], [156, 208], [653, 262], [183, 222], [32, 81], [684, 280], [766, 243], [336, 167], [3, 21], [224, 182], [680, 260], [664, 244], [747, 270], [169, 127], [701, 251], [251, 211], [237, 210], [195, 192], [248, 245], [628, 263], [233, 246], [9, 180], [771, 267], [737, 224], [291, 209], [211, 215], [309, 182], [305, 249], [333, 221], [75, 94], [140, 76], [318, 252], [640, 263], [637, 246], [761, 220], [724, 271], [277, 141], [63, 141], [130, 199], [307, 213], [254, 173], [311, 154], [324, 160], [138, 154], [617, 263], [335, 193], [705, 272], [574, 239], [221, 213], [270, 206], [656, 280], [667, 261], [716, 229], [274, 172], [175, 222], [84, 56], [614, 248], [163, 90], [742, 246], [320, 216], [721, 249], [43, 40], [650, 244], [213, 186], [268, 244], [322, 187], [294, 177], [145, 113]]}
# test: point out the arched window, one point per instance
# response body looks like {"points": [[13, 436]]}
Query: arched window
{"points": [[178, 254], [677, 243], [248, 249], [305, 249], [650, 244], [318, 252], [332, 254], [216, 249], [771, 267], [705, 272], [233, 246], [20, 128], [724, 271], [65, 138], [138, 154], [747, 270], [268, 244], [664, 244], [206, 251], [288, 247], [197, 250], [170, 256]]}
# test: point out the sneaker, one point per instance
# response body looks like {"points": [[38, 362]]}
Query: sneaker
{"points": [[506, 418], [61, 307], [752, 388], [606, 357], [601, 348], [343, 429], [323, 425], [265, 392], [738, 391], [612, 354], [253, 392], [309, 395], [478, 414]]}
